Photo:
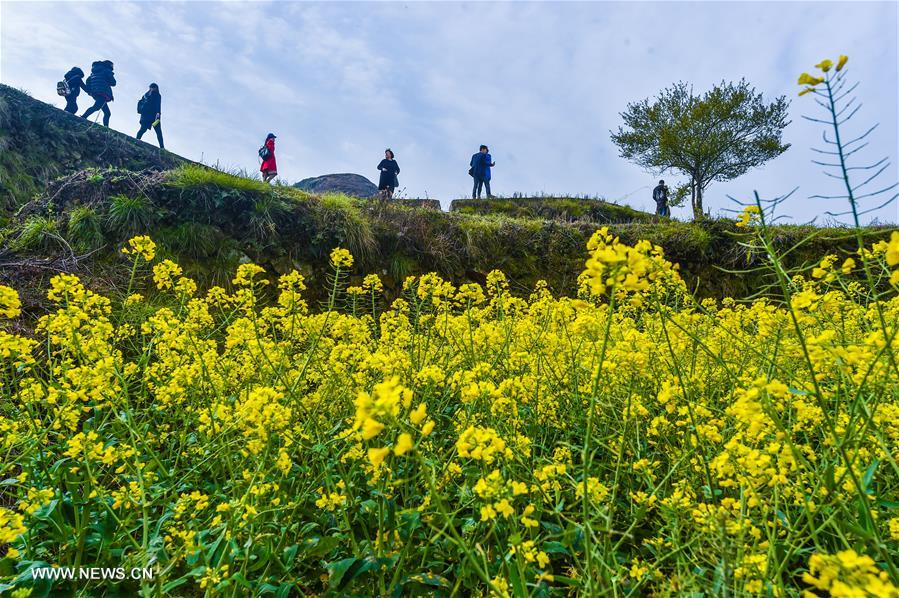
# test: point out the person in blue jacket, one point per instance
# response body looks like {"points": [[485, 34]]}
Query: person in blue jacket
{"points": [[481, 163], [99, 85], [75, 80]]}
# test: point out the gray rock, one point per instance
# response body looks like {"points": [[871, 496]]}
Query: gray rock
{"points": [[354, 185]]}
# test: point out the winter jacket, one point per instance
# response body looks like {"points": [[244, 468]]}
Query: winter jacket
{"points": [[480, 165], [101, 81], [660, 194], [389, 169], [269, 164], [488, 163], [152, 105], [75, 79]]}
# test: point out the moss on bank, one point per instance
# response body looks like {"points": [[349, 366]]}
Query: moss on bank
{"points": [[552, 208], [211, 221]]}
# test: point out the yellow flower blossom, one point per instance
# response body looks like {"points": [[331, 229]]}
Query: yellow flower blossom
{"points": [[341, 258], [403, 444], [842, 62], [10, 305], [806, 79], [142, 246]]}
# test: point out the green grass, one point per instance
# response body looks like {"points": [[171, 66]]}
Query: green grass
{"points": [[552, 208], [131, 215], [264, 216], [192, 239], [37, 233], [85, 228], [340, 217], [195, 175]]}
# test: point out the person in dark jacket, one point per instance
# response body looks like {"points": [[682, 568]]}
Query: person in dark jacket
{"points": [[75, 80], [389, 171], [269, 168], [481, 163], [660, 196], [150, 109], [99, 85]]}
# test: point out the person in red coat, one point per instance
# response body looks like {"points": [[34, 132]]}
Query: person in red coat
{"points": [[269, 168]]}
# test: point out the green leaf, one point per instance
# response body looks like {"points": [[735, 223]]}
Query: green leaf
{"points": [[342, 572], [290, 553], [175, 583], [518, 588], [554, 548], [869, 476], [345, 571], [316, 547]]}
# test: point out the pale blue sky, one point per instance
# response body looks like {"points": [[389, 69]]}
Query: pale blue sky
{"points": [[541, 83]]}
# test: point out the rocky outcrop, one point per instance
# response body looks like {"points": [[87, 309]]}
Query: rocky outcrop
{"points": [[354, 185]]}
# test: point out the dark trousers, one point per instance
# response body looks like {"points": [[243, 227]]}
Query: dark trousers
{"points": [[71, 104], [99, 104], [158, 128], [663, 210], [478, 185]]}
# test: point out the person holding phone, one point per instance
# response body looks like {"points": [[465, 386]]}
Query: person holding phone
{"points": [[481, 163]]}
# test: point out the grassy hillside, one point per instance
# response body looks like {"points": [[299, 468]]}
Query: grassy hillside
{"points": [[39, 142], [94, 188], [211, 221]]}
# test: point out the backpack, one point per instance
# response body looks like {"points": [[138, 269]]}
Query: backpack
{"points": [[62, 88], [140, 105], [658, 194], [264, 152]]}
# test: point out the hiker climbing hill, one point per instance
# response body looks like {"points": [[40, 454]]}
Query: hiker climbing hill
{"points": [[150, 109], [99, 85], [70, 88]]}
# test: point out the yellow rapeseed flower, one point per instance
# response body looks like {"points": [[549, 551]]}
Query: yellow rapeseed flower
{"points": [[418, 414], [842, 62], [141, 245], [376, 456], [806, 79], [341, 258], [10, 304], [403, 444]]}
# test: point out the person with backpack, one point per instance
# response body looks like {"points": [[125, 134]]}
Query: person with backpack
{"points": [[660, 196], [70, 87], [99, 85], [389, 171], [150, 109], [481, 163], [269, 168]]}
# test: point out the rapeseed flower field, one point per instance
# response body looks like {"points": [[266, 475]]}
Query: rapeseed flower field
{"points": [[458, 440]]}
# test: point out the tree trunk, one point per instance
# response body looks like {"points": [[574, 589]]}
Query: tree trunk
{"points": [[698, 213], [693, 195]]}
